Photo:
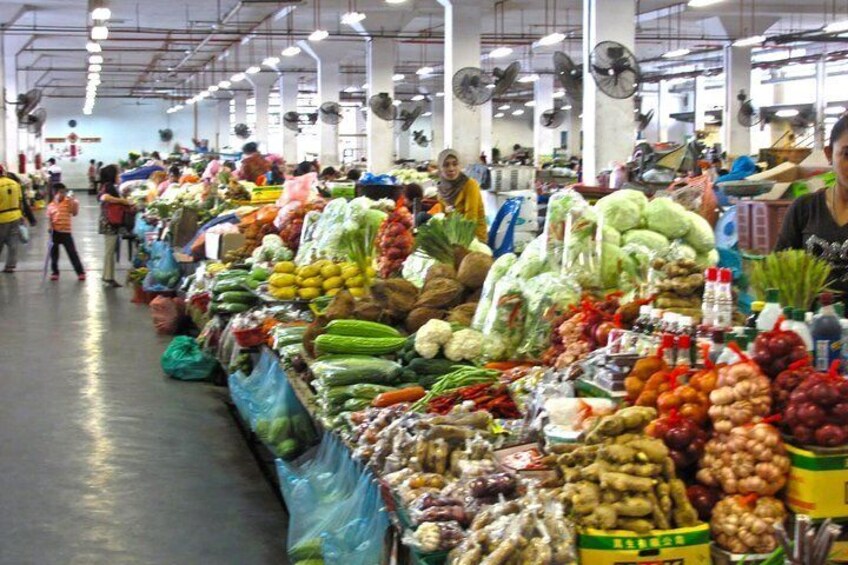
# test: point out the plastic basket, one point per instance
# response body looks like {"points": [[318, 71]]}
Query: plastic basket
{"points": [[759, 222]]}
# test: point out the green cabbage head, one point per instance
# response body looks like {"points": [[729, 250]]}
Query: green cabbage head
{"points": [[667, 217], [701, 236], [622, 210]]}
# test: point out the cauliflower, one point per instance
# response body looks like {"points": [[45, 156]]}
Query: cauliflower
{"points": [[431, 336], [465, 345]]}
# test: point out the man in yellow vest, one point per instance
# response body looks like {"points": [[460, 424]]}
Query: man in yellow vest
{"points": [[13, 207]]}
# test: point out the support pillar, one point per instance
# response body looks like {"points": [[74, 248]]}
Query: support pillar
{"points": [[544, 139], [575, 131], [664, 104], [700, 103], [403, 139], [821, 103], [262, 84], [486, 123], [608, 123], [737, 72], [223, 120], [328, 91], [462, 49], [380, 68], [437, 139], [240, 110], [288, 85]]}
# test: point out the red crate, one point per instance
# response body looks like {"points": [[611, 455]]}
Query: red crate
{"points": [[759, 222]]}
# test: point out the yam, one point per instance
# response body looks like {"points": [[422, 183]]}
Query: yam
{"points": [[440, 271], [397, 295], [463, 314], [421, 316], [473, 269], [440, 293]]}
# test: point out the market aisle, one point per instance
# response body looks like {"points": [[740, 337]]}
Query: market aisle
{"points": [[102, 458]]}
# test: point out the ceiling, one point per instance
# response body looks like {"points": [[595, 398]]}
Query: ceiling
{"points": [[174, 48]]}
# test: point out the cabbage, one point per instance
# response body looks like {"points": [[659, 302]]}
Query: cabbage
{"points": [[611, 235], [680, 250], [611, 265], [667, 217], [701, 236], [480, 247], [708, 259], [655, 242], [622, 210]]}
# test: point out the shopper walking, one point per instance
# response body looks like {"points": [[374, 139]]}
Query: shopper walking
{"points": [[459, 194], [92, 177], [113, 207], [60, 212], [13, 209]]}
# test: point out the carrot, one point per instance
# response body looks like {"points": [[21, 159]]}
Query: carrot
{"points": [[409, 394], [505, 365]]}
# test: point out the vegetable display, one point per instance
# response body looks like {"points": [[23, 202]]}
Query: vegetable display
{"points": [[817, 410], [742, 396], [746, 524], [395, 241], [775, 350]]}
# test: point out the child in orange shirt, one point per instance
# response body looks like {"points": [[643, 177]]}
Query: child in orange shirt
{"points": [[59, 212]]}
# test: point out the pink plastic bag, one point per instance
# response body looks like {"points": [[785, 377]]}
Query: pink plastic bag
{"points": [[166, 313], [298, 189]]}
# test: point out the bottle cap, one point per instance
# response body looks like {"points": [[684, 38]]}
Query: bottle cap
{"points": [[826, 298], [668, 341], [757, 306], [798, 315], [711, 274], [787, 312], [772, 295], [726, 276]]}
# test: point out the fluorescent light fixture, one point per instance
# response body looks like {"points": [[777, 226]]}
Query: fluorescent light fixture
{"points": [[238, 77], [703, 3], [92, 76], [552, 39], [518, 112], [224, 84], [490, 86], [290, 51], [425, 71], [95, 68], [559, 94], [204, 94], [396, 102], [96, 59], [246, 39], [749, 41], [499, 52], [418, 98], [834, 110], [499, 115], [787, 113], [191, 101], [99, 33], [351, 89], [682, 52], [94, 81], [271, 61], [440, 95], [101, 14], [398, 76], [831, 120], [86, 111], [352, 18], [252, 70], [837, 27], [530, 103], [504, 107], [529, 78], [213, 88], [567, 107], [93, 47], [395, 1], [319, 35], [427, 114]]}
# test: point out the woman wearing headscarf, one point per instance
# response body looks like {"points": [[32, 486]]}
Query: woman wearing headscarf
{"points": [[459, 194]]}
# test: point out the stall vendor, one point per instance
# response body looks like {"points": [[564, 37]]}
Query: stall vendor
{"points": [[458, 193], [818, 222], [253, 164]]}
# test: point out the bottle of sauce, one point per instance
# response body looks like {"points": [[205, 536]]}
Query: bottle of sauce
{"points": [[826, 333], [708, 301], [756, 307], [723, 307]]}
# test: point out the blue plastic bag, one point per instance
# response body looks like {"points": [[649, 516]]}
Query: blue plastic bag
{"points": [[164, 272], [184, 360]]}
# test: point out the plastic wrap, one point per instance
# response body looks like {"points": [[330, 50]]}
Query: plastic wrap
{"points": [[559, 206], [547, 297], [584, 250], [504, 325], [499, 268]]}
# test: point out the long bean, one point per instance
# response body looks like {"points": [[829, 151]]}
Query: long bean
{"points": [[462, 376]]}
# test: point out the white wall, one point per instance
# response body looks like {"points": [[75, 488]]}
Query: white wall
{"points": [[509, 130]]}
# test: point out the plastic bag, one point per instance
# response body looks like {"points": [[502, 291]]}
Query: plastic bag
{"points": [[142, 227], [559, 206], [499, 268], [583, 248], [297, 189], [504, 325], [184, 360], [167, 313], [547, 296], [164, 272]]}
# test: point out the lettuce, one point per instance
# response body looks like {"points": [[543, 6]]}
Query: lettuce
{"points": [[611, 235], [667, 217], [622, 210], [701, 236], [612, 264]]}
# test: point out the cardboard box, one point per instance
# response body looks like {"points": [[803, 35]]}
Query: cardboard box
{"points": [[818, 482], [682, 546], [218, 245]]}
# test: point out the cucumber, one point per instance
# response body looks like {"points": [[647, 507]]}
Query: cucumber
{"points": [[423, 366], [346, 370], [307, 549], [327, 343], [241, 296], [229, 308], [360, 328], [229, 285]]}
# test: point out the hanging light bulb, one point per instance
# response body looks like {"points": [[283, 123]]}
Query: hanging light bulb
{"points": [[96, 59], [504, 107], [529, 78], [99, 33], [93, 47], [290, 51], [418, 98], [500, 115], [271, 61], [530, 103], [518, 112], [500, 52], [319, 35], [213, 88], [93, 76], [95, 68]]}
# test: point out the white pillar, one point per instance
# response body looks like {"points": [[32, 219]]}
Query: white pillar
{"points": [[437, 139], [574, 132], [262, 84], [402, 143], [544, 139], [821, 103], [223, 129], [288, 103], [737, 72], [379, 69], [10, 92], [361, 133], [240, 107], [608, 123], [328, 91], [700, 103], [486, 119], [664, 110], [462, 49]]}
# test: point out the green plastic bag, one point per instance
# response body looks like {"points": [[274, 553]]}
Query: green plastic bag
{"points": [[185, 360]]}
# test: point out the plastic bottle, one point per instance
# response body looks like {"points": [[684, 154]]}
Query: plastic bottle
{"points": [[718, 345], [653, 327], [756, 307], [723, 305], [800, 327], [708, 302], [703, 337], [827, 334], [684, 350], [669, 323], [771, 311], [669, 353], [840, 313]]}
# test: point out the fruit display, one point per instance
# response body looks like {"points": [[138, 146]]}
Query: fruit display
{"points": [[322, 278], [742, 396], [746, 524], [684, 438], [787, 381], [817, 410]]}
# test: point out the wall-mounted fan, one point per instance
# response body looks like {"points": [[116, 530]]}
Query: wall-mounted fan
{"points": [[166, 135], [291, 121], [642, 120], [570, 76], [383, 107], [615, 69], [35, 121], [331, 113], [505, 78], [420, 139], [471, 86], [408, 117], [552, 119], [26, 103], [242, 131], [748, 115]]}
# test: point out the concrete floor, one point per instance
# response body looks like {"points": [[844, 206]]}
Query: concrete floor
{"points": [[103, 460]]}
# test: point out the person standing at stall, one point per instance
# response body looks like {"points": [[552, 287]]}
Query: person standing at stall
{"points": [[60, 213], [253, 164], [112, 209], [818, 222], [459, 194]]}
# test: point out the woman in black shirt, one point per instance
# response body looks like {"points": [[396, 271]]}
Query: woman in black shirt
{"points": [[818, 222]]}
